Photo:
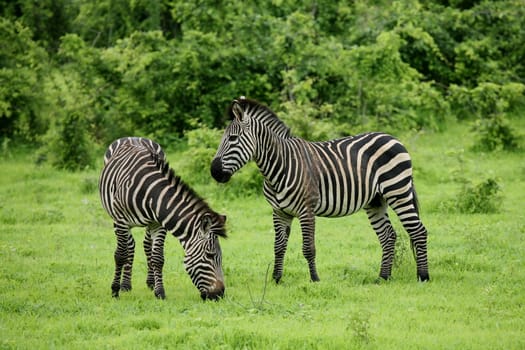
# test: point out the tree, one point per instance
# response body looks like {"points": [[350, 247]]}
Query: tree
{"points": [[23, 64]]}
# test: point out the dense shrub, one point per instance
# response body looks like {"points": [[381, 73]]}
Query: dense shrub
{"points": [[71, 148], [494, 133], [482, 198]]}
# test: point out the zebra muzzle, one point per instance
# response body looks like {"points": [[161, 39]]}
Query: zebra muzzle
{"points": [[218, 172], [215, 292]]}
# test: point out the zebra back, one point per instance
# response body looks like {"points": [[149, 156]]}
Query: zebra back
{"points": [[136, 141], [140, 164]]}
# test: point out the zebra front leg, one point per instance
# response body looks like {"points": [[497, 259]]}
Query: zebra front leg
{"points": [[150, 279], [157, 261], [121, 259], [308, 230], [381, 224], [281, 224]]}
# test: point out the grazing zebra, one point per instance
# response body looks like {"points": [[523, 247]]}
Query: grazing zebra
{"points": [[138, 188], [332, 178]]}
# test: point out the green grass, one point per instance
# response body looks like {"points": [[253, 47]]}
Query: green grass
{"points": [[56, 266]]}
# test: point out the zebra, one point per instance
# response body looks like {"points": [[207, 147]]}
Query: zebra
{"points": [[139, 189], [329, 179]]}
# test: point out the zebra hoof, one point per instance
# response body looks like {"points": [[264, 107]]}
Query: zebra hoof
{"points": [[315, 278], [423, 277], [381, 280], [115, 288], [125, 288], [150, 284], [160, 294]]}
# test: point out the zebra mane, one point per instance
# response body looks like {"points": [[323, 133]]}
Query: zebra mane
{"points": [[175, 180], [262, 114]]}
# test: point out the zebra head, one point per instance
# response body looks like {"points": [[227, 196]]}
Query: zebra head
{"points": [[237, 144], [203, 256]]}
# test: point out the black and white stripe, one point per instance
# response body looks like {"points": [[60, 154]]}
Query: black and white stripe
{"points": [[138, 188], [333, 178]]}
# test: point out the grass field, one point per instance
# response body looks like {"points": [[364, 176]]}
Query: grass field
{"points": [[56, 266]]}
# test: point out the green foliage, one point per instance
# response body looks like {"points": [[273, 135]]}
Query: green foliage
{"points": [[160, 68], [486, 99], [489, 103], [70, 149], [360, 326], [202, 145], [495, 133], [48, 19], [196, 161], [103, 23], [483, 198], [22, 64]]}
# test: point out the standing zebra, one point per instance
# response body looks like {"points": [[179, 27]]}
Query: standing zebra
{"points": [[331, 179], [138, 188]]}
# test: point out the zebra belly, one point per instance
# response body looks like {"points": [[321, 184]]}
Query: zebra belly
{"points": [[345, 194], [329, 208], [324, 205]]}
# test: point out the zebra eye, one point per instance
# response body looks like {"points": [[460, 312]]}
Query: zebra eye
{"points": [[233, 138]]}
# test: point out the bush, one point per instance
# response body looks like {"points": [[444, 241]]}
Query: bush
{"points": [[70, 148], [202, 145], [494, 133], [483, 198]]}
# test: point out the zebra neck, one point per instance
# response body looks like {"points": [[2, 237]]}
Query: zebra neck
{"points": [[274, 157]]}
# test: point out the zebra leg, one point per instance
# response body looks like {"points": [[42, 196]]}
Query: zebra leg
{"points": [[381, 224], [407, 211], [308, 230], [150, 279], [157, 260], [418, 239], [128, 264], [281, 223], [121, 257]]}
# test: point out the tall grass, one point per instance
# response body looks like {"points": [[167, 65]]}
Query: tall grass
{"points": [[56, 266]]}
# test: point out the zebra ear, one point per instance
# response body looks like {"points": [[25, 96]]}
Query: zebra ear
{"points": [[206, 222], [238, 111]]}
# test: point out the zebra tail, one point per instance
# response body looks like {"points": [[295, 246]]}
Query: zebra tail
{"points": [[414, 195], [416, 206]]}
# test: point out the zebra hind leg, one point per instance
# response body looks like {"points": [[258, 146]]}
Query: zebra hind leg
{"points": [[150, 279], [378, 217], [408, 214], [157, 260], [418, 239]]}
